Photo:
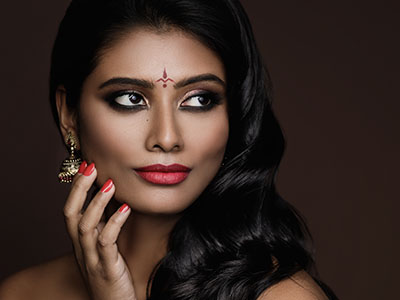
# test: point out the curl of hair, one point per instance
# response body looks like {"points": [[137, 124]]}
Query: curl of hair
{"points": [[239, 237]]}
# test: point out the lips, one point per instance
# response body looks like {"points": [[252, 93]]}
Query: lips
{"points": [[164, 175]]}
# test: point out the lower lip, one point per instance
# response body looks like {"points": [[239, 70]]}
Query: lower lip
{"points": [[164, 178]]}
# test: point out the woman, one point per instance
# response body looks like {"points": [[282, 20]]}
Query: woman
{"points": [[167, 104]]}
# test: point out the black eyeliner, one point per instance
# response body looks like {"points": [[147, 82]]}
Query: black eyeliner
{"points": [[215, 99], [110, 99]]}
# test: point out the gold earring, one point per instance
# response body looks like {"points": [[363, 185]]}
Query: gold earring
{"points": [[70, 165]]}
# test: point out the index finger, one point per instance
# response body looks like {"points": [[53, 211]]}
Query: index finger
{"points": [[77, 196]]}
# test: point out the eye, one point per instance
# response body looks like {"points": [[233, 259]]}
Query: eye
{"points": [[129, 99], [198, 101], [201, 101]]}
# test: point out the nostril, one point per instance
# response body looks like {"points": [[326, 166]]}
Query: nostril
{"points": [[157, 147], [166, 148]]}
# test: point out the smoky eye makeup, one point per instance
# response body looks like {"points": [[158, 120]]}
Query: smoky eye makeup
{"points": [[126, 100], [194, 101], [200, 101]]}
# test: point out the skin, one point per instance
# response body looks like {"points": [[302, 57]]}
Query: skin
{"points": [[115, 258], [163, 131]]}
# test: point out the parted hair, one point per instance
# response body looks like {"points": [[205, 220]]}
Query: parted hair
{"points": [[239, 237]]}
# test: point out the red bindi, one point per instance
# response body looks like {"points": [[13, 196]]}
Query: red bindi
{"points": [[165, 78]]}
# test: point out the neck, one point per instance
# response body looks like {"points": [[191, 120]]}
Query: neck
{"points": [[143, 243]]}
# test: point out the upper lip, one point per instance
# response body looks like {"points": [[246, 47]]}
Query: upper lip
{"points": [[164, 168]]}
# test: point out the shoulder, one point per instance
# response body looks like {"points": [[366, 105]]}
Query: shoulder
{"points": [[56, 279], [300, 286]]}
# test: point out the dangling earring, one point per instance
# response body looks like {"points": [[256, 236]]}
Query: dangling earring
{"points": [[70, 165]]}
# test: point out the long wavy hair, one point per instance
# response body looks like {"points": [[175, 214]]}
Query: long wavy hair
{"points": [[239, 237]]}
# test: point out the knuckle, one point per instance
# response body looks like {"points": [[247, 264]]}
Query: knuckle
{"points": [[83, 228], [114, 222], [68, 214], [103, 241], [99, 202]]}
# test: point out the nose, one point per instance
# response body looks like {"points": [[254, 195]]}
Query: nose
{"points": [[164, 134]]}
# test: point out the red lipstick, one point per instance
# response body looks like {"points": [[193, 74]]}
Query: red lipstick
{"points": [[164, 175]]}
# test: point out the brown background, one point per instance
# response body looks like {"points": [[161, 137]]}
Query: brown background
{"points": [[335, 66]]}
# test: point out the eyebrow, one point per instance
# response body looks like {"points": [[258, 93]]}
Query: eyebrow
{"points": [[127, 81], [199, 78], [149, 85]]}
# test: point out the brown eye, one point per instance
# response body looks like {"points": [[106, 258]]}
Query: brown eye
{"points": [[198, 100], [130, 99]]}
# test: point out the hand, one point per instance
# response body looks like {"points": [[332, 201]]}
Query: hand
{"points": [[94, 241]]}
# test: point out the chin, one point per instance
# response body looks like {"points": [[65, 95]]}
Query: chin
{"points": [[164, 200]]}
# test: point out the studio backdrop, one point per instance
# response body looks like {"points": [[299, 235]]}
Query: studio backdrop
{"points": [[335, 68]]}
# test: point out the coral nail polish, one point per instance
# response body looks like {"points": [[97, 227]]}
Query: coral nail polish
{"points": [[89, 170], [107, 186], [82, 167], [124, 208]]}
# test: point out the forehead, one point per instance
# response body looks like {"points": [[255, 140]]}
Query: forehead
{"points": [[145, 53]]}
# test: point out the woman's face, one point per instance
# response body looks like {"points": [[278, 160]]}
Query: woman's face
{"points": [[155, 99]]}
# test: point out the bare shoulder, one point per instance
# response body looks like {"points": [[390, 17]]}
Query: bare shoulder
{"points": [[56, 279], [300, 286]]}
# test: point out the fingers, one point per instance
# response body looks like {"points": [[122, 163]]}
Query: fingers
{"points": [[88, 227], [107, 239], [94, 241], [102, 266], [76, 199], [96, 207], [81, 183]]}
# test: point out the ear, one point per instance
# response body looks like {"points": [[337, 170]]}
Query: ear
{"points": [[66, 116]]}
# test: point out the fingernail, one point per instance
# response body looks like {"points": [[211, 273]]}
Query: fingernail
{"points": [[107, 186], [82, 167], [89, 170], [124, 208]]}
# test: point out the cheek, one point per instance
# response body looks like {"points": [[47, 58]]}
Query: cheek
{"points": [[206, 139], [106, 137], [97, 136]]}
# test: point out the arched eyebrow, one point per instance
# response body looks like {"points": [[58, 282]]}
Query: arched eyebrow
{"points": [[127, 81], [199, 78], [150, 85]]}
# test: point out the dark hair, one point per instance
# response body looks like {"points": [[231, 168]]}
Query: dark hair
{"points": [[239, 237]]}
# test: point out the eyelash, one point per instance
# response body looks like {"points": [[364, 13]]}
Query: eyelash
{"points": [[114, 104], [213, 100]]}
